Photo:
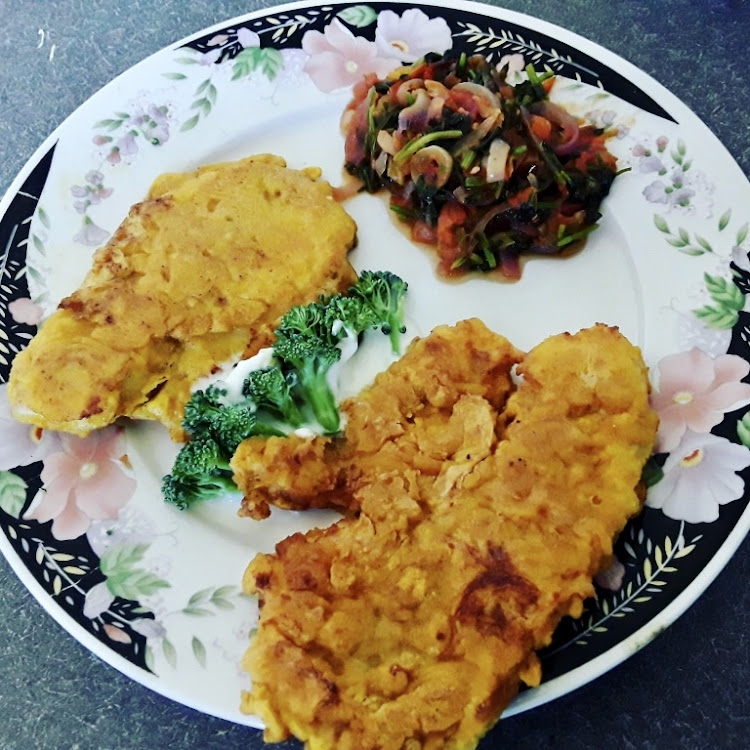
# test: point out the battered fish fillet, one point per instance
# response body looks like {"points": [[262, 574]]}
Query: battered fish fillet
{"points": [[400, 423], [199, 273], [412, 624]]}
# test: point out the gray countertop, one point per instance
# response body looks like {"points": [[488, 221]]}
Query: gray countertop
{"points": [[690, 688]]}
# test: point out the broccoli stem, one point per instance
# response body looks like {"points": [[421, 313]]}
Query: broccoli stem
{"points": [[319, 396]]}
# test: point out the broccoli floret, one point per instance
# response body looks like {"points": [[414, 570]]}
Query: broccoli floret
{"points": [[332, 318], [384, 292], [308, 320], [347, 315], [278, 398], [201, 455], [208, 415], [200, 472], [238, 422], [202, 410], [312, 358], [184, 491], [271, 390]]}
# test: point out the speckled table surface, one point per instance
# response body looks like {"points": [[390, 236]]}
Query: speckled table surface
{"points": [[690, 688]]}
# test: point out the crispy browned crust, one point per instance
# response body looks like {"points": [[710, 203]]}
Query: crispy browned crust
{"points": [[422, 389], [481, 518], [199, 273]]}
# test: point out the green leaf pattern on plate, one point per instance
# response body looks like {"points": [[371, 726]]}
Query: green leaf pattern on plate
{"points": [[358, 16], [727, 299], [743, 430], [206, 602], [12, 493], [125, 578]]}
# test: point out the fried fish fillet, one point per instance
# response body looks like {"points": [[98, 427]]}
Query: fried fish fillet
{"points": [[198, 273], [299, 473], [412, 623]]}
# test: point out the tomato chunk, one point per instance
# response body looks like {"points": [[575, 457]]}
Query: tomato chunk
{"points": [[452, 216]]}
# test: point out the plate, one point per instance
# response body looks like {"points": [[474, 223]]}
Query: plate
{"points": [[141, 584]]}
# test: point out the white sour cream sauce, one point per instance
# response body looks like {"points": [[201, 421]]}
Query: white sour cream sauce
{"points": [[360, 362]]}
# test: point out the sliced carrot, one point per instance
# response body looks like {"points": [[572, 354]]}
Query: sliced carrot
{"points": [[522, 196], [541, 127]]}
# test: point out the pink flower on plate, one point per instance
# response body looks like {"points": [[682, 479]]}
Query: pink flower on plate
{"points": [[154, 125], [209, 58], [699, 476], [411, 35], [149, 627], [670, 195], [98, 600], [86, 481], [90, 233], [23, 310], [117, 633], [22, 444], [128, 528], [692, 331], [695, 391], [247, 37], [127, 145], [339, 59], [650, 163], [218, 40]]}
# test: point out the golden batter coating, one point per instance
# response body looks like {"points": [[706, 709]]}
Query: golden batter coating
{"points": [[199, 273], [412, 623], [420, 389]]}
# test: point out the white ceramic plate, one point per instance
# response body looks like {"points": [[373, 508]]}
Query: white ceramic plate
{"points": [[156, 592]]}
